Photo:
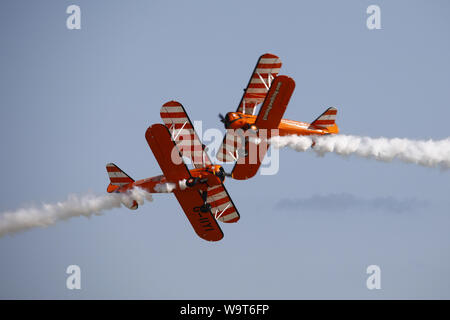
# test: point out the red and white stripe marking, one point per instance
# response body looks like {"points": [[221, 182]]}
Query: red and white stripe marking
{"points": [[117, 176], [267, 68], [327, 119], [120, 178], [221, 205], [228, 150], [177, 121]]}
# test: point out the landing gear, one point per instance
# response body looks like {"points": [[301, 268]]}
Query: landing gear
{"points": [[205, 207]]}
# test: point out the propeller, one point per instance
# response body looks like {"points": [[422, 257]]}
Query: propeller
{"points": [[224, 120]]}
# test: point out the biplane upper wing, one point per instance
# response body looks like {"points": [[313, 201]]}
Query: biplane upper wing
{"points": [[272, 111], [166, 153], [266, 69], [221, 204], [177, 121], [269, 118], [204, 223]]}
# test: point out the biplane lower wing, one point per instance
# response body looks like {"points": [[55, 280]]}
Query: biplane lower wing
{"points": [[169, 159], [247, 167], [204, 223], [269, 118], [221, 204]]}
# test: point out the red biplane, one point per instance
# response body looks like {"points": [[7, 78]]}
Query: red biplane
{"points": [[200, 191], [274, 92]]}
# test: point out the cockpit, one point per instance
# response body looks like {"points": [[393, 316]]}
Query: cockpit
{"points": [[237, 120]]}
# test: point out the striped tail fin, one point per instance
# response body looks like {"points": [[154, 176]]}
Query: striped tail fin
{"points": [[119, 179], [327, 120], [117, 176]]}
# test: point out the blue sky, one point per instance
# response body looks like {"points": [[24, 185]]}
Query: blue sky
{"points": [[73, 100]]}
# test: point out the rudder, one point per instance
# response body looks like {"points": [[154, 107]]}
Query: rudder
{"points": [[119, 178], [327, 120]]}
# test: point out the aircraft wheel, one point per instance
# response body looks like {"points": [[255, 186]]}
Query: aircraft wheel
{"points": [[205, 208]]}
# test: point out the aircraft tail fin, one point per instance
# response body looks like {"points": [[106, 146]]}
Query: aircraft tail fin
{"points": [[327, 120], [118, 179]]}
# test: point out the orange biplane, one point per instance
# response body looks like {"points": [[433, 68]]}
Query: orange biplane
{"points": [[200, 191], [274, 92]]}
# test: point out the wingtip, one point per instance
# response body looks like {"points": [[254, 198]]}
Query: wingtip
{"points": [[172, 103]]}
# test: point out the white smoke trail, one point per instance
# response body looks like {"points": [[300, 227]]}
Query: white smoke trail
{"points": [[75, 206], [428, 153], [165, 187]]}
